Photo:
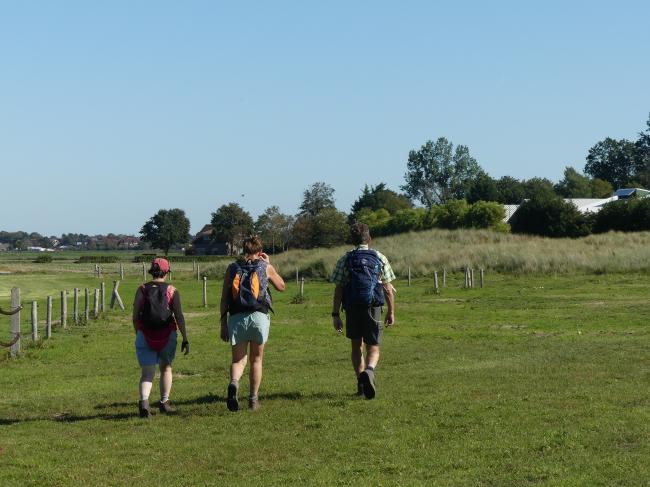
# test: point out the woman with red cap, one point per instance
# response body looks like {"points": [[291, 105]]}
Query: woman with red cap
{"points": [[157, 313]]}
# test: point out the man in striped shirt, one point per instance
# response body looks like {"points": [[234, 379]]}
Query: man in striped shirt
{"points": [[363, 323]]}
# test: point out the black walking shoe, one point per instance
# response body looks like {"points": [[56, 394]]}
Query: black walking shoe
{"points": [[367, 378], [359, 387], [232, 402], [166, 407], [143, 408]]}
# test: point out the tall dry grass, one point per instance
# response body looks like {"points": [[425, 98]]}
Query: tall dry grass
{"points": [[425, 252]]}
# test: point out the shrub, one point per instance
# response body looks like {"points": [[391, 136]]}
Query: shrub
{"points": [[484, 214], [550, 216], [97, 259], [452, 215], [43, 259]]}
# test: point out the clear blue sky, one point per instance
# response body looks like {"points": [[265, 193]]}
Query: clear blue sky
{"points": [[112, 110]]}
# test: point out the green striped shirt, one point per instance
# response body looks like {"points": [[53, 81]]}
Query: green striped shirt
{"points": [[341, 272]]}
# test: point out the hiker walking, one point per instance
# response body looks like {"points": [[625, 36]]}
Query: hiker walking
{"points": [[362, 277], [245, 321], [157, 313]]}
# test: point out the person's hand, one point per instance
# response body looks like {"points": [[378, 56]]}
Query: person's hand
{"points": [[337, 323], [224, 332], [390, 319], [265, 257], [185, 347]]}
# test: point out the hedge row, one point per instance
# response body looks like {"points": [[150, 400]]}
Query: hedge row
{"points": [[182, 258]]}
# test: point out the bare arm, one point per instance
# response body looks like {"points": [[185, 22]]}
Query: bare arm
{"points": [[336, 308], [178, 314], [223, 306], [272, 274], [390, 304]]}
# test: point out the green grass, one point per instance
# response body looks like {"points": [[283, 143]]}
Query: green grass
{"points": [[534, 380]]}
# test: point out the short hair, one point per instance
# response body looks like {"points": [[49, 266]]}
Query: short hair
{"points": [[253, 245], [359, 233]]}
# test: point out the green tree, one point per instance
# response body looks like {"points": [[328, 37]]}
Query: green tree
{"points": [[453, 214], [377, 197], [600, 188], [326, 229], [483, 188], [511, 190], [316, 198], [642, 147], [486, 214], [437, 173], [166, 229], [231, 224], [274, 228], [615, 161], [538, 188], [574, 185]]}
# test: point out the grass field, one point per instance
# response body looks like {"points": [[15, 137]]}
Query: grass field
{"points": [[534, 380]]}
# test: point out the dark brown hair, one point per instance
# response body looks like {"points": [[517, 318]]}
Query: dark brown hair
{"points": [[253, 245], [359, 233]]}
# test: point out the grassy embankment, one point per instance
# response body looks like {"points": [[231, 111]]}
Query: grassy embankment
{"points": [[534, 380]]}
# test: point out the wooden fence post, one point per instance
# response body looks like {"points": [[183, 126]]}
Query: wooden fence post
{"points": [[86, 305], [115, 297], [409, 276], [15, 321], [102, 292], [48, 325], [297, 277], [64, 309], [481, 278], [198, 271], [444, 277], [471, 277], [122, 271], [205, 292], [435, 281], [302, 287], [34, 321], [96, 304], [75, 306], [466, 276]]}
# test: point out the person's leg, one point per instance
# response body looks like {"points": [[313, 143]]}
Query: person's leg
{"points": [[373, 332], [372, 356], [257, 355], [357, 355], [146, 381], [239, 359], [165, 381]]}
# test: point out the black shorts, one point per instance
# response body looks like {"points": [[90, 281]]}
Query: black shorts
{"points": [[364, 323]]}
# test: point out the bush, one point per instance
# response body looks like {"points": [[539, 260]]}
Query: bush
{"points": [[453, 214], [484, 214], [43, 259], [183, 258], [550, 217]]}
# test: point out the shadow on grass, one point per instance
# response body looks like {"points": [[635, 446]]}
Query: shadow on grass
{"points": [[68, 417]]}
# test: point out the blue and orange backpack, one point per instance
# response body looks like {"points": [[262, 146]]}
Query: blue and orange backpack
{"points": [[250, 287]]}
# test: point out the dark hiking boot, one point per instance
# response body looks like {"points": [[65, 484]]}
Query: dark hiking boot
{"points": [[232, 402], [367, 378], [143, 407], [253, 403], [166, 407], [359, 387]]}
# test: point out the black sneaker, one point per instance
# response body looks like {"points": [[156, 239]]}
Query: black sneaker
{"points": [[367, 378], [166, 407], [143, 407], [359, 387], [232, 402]]}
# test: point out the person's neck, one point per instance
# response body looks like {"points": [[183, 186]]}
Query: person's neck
{"points": [[158, 279]]}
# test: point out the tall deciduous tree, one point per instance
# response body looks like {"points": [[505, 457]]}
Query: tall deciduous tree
{"points": [[615, 161], [274, 228], [380, 197], [231, 224], [511, 190], [437, 173], [166, 229], [316, 198], [642, 147], [483, 188]]}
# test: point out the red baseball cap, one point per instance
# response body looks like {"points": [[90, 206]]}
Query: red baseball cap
{"points": [[162, 264]]}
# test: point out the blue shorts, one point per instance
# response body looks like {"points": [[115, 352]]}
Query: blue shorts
{"points": [[147, 356], [249, 327]]}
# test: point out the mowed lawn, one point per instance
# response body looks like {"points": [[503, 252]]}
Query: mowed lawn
{"points": [[533, 380]]}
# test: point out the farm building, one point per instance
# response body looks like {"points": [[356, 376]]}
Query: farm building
{"points": [[203, 243]]}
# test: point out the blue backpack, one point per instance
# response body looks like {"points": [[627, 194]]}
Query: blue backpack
{"points": [[250, 287], [363, 288]]}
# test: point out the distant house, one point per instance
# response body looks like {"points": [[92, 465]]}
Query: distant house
{"points": [[4, 247], [627, 193], [584, 205], [203, 243]]}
